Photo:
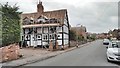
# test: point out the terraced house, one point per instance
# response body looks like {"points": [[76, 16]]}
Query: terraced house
{"points": [[42, 27]]}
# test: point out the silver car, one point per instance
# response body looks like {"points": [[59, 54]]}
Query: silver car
{"points": [[113, 51]]}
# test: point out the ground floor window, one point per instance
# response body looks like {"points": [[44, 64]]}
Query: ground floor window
{"points": [[45, 36]]}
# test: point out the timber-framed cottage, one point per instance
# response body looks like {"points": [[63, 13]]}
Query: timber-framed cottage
{"points": [[41, 27]]}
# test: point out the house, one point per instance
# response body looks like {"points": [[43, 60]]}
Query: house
{"points": [[81, 31], [42, 27], [102, 35]]}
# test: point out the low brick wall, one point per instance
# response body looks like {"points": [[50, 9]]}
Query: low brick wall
{"points": [[10, 52], [73, 43]]}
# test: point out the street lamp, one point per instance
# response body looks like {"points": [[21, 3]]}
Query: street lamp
{"points": [[77, 35]]}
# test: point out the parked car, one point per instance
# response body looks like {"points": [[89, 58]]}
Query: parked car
{"points": [[106, 42], [113, 51], [113, 39]]}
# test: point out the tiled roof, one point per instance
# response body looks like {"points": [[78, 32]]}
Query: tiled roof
{"points": [[57, 14]]}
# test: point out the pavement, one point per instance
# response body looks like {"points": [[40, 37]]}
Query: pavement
{"points": [[30, 58], [94, 54]]}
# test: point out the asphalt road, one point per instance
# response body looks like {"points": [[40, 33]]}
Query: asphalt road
{"points": [[93, 54]]}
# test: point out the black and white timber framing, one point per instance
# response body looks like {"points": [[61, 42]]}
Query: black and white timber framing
{"points": [[42, 35]]}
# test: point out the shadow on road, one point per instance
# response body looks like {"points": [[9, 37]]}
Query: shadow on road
{"points": [[113, 62]]}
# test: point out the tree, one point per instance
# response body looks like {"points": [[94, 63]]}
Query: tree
{"points": [[118, 34], [91, 37], [10, 24], [72, 35], [80, 38], [0, 28]]}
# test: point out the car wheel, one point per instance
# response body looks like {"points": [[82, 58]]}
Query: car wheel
{"points": [[108, 60]]}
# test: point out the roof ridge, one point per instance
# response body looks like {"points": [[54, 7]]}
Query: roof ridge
{"points": [[48, 11], [30, 13], [57, 10]]}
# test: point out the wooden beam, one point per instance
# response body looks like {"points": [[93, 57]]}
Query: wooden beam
{"points": [[62, 37], [40, 25]]}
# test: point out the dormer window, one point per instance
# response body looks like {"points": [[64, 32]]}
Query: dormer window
{"points": [[41, 19], [54, 20], [26, 21], [32, 20]]}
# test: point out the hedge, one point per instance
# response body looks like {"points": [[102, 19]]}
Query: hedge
{"points": [[10, 24]]}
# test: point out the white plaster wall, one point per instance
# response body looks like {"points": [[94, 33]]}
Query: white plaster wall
{"points": [[60, 36], [38, 42], [32, 40], [65, 20], [59, 42], [28, 42], [66, 36], [59, 29], [45, 43], [65, 29], [66, 42]]}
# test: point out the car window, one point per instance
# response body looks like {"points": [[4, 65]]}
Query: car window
{"points": [[118, 44], [110, 45], [115, 45]]}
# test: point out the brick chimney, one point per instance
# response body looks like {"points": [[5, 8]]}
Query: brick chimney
{"points": [[40, 8]]}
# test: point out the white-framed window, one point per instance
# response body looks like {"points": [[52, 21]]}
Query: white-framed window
{"points": [[39, 30], [26, 21], [45, 36], [50, 36], [38, 36], [40, 19], [27, 37], [45, 29]]}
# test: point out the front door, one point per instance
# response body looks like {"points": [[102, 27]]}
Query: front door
{"points": [[28, 40], [39, 38], [32, 40]]}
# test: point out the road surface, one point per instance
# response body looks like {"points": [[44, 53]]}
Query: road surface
{"points": [[94, 54]]}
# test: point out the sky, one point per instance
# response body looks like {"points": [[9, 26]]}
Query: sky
{"points": [[97, 16]]}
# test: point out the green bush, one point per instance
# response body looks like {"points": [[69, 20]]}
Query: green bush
{"points": [[10, 24], [80, 38]]}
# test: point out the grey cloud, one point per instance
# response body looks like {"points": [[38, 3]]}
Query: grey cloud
{"points": [[96, 16]]}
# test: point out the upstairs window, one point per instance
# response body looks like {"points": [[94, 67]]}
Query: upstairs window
{"points": [[41, 19], [26, 21]]}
